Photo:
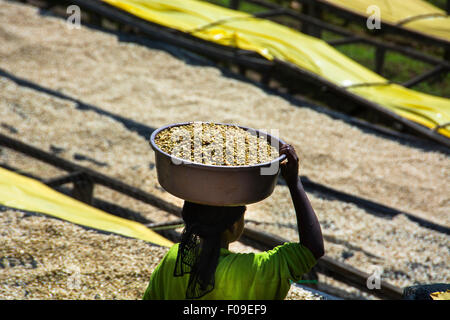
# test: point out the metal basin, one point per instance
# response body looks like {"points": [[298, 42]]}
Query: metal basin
{"points": [[215, 185]]}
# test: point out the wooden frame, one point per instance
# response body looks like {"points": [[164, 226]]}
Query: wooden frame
{"points": [[325, 265], [268, 69], [87, 178]]}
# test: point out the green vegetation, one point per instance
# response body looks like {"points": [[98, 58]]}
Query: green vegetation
{"points": [[439, 3], [397, 68], [246, 7]]}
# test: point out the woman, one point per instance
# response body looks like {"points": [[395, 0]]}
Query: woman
{"points": [[202, 267]]}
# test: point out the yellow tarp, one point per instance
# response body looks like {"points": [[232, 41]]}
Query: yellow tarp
{"points": [[435, 21], [17, 191], [440, 295], [271, 40]]}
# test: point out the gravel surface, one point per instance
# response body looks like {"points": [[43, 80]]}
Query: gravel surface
{"points": [[406, 252], [152, 87], [46, 258]]}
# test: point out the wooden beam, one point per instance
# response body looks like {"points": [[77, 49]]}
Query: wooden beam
{"points": [[344, 272], [67, 178], [343, 32], [270, 13], [283, 67], [157, 225], [94, 175], [172, 36], [385, 26], [356, 278], [424, 76], [343, 41], [330, 267], [209, 49]]}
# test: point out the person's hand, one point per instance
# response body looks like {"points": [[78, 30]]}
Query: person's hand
{"points": [[289, 167]]}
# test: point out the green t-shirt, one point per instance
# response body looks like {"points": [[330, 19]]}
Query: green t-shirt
{"points": [[239, 276]]}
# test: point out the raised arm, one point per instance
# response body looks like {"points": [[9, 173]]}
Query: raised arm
{"points": [[308, 225]]}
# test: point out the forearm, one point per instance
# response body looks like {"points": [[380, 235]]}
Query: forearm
{"points": [[309, 230]]}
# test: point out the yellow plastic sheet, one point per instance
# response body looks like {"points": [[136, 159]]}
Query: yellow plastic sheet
{"points": [[17, 191], [438, 27], [434, 21], [239, 29], [271, 40], [424, 109], [440, 295]]}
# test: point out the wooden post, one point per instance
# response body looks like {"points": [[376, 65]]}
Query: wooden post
{"points": [[316, 13], [379, 59], [265, 78], [95, 19], [305, 25], [234, 4], [242, 69], [83, 189], [312, 10]]}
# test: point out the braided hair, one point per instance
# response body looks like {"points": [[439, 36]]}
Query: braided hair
{"points": [[199, 250]]}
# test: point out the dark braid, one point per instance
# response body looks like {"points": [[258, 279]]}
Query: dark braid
{"points": [[200, 258]]}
